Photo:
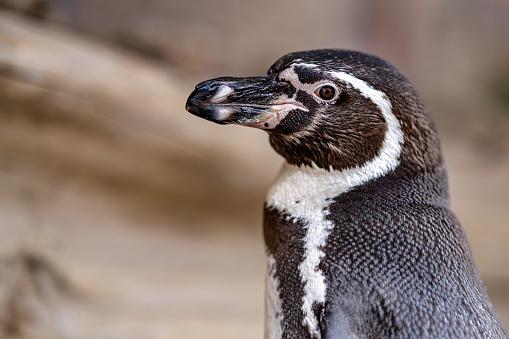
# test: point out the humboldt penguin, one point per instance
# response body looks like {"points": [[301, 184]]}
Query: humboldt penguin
{"points": [[360, 239]]}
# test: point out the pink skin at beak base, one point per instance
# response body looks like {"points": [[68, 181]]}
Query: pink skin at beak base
{"points": [[276, 114]]}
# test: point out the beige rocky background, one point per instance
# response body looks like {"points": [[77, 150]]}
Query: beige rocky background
{"points": [[123, 216]]}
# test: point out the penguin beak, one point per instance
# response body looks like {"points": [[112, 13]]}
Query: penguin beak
{"points": [[260, 102]]}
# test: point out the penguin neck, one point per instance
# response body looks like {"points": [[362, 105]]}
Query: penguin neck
{"points": [[300, 190]]}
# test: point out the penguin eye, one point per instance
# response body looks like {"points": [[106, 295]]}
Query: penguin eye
{"points": [[326, 92]]}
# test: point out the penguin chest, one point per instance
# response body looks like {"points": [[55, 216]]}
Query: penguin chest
{"points": [[296, 229], [296, 286]]}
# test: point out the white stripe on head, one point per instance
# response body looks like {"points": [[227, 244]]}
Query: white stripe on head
{"points": [[292, 77], [388, 157], [306, 193]]}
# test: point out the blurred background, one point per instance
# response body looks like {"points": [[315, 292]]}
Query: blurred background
{"points": [[123, 216]]}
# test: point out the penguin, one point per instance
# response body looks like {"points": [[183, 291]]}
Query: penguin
{"points": [[360, 238]]}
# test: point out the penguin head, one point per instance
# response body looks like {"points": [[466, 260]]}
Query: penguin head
{"points": [[332, 109]]}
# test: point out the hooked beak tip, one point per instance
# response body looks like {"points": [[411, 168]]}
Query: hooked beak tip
{"points": [[208, 113]]}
